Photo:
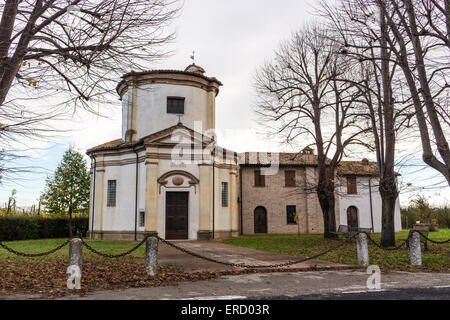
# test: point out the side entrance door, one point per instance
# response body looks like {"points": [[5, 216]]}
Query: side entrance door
{"points": [[352, 217], [260, 220], [177, 225]]}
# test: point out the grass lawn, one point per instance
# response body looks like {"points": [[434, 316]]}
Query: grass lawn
{"points": [[436, 259]]}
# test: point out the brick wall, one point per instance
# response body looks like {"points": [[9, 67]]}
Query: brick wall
{"points": [[274, 197]]}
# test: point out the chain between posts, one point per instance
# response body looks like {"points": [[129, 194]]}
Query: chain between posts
{"points": [[244, 266], [238, 265], [34, 255], [113, 256], [404, 242], [432, 241]]}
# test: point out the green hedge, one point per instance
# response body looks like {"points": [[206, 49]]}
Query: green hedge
{"points": [[25, 228]]}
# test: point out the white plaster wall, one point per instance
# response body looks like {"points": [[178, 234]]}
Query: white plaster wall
{"points": [[362, 202], [122, 216], [222, 219], [194, 198], [152, 113], [141, 192]]}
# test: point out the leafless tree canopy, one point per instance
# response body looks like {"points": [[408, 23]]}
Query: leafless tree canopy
{"points": [[77, 50], [417, 39], [60, 55], [303, 93], [401, 47]]}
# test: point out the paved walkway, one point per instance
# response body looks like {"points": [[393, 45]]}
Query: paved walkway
{"points": [[232, 254]]}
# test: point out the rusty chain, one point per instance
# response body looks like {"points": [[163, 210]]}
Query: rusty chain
{"points": [[432, 241], [113, 256], [34, 255], [404, 242], [244, 266]]}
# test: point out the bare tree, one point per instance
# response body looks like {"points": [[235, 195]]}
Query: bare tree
{"points": [[421, 30], [364, 37], [70, 55], [301, 93]]}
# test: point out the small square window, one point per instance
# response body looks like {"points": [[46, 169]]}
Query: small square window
{"points": [[260, 180], [111, 195], [352, 185], [142, 219], [175, 105], [289, 177], [291, 212]]}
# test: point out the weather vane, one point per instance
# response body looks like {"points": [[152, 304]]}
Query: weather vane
{"points": [[193, 57]]}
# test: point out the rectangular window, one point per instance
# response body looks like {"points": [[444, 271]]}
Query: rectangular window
{"points": [[260, 180], [175, 105], [142, 219], [351, 185], [291, 211], [289, 176], [111, 198], [224, 194]]}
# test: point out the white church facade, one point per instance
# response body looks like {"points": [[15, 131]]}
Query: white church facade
{"points": [[167, 176]]}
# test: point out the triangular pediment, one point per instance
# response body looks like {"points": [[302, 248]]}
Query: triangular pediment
{"points": [[176, 135]]}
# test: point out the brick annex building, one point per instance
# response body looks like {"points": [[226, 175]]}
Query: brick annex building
{"points": [[138, 187]]}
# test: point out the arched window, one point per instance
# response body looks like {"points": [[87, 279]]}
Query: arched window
{"points": [[260, 220], [352, 217]]}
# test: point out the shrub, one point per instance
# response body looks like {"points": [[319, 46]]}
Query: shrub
{"points": [[26, 228]]}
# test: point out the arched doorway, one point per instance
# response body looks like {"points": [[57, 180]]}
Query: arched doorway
{"points": [[352, 217], [260, 220]]}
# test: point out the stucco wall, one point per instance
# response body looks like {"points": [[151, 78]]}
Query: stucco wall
{"points": [[362, 202], [122, 216], [152, 113], [222, 220]]}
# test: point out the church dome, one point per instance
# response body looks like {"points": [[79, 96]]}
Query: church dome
{"points": [[195, 69]]}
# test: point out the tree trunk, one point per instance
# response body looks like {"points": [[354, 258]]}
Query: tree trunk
{"points": [[70, 222], [9, 207], [389, 194], [325, 192]]}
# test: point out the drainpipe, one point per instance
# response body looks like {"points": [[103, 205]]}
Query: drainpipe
{"points": [[93, 197], [214, 198], [371, 205], [241, 227], [136, 195]]}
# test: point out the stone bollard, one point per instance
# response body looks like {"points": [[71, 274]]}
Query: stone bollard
{"points": [[75, 262], [362, 250], [151, 256], [415, 250], [76, 252]]}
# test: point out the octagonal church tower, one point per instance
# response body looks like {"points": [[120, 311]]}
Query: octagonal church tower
{"points": [[165, 175]]}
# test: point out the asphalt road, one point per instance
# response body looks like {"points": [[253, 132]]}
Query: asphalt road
{"points": [[350, 284], [433, 293]]}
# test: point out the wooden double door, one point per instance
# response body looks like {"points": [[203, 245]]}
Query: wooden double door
{"points": [[177, 215]]}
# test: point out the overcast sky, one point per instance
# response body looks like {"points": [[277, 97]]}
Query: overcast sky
{"points": [[231, 39]]}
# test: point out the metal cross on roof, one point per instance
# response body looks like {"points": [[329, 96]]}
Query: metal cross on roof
{"points": [[193, 57]]}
